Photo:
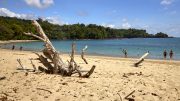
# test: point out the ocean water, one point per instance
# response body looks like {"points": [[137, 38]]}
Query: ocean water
{"points": [[135, 47]]}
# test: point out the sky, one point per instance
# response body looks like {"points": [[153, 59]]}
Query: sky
{"points": [[151, 15]]}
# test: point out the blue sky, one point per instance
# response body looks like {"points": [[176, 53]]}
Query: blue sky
{"points": [[152, 15]]}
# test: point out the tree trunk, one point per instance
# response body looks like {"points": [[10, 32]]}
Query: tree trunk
{"points": [[52, 61]]}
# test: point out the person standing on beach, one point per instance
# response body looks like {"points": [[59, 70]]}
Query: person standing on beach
{"points": [[165, 54], [13, 47], [171, 54], [20, 48]]}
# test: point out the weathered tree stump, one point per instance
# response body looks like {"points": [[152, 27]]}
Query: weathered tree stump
{"points": [[53, 64]]}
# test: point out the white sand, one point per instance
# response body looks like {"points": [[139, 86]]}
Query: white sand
{"points": [[154, 80]]}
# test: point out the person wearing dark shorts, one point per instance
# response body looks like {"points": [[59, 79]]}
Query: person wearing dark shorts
{"points": [[171, 54], [164, 54], [13, 47]]}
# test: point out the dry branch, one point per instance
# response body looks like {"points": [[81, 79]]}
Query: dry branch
{"points": [[2, 78], [127, 97], [90, 72], [23, 68], [44, 90], [20, 63], [51, 60], [141, 59], [82, 54], [120, 97], [33, 65]]}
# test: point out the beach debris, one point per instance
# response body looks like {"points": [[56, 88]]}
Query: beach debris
{"points": [[154, 94], [3, 98], [178, 94], [33, 64], [24, 68], [2, 78], [141, 59], [53, 63], [44, 90], [129, 74], [81, 82], [82, 54], [64, 83], [120, 97], [127, 97], [15, 90]]}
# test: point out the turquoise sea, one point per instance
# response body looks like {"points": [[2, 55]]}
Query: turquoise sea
{"points": [[113, 47]]}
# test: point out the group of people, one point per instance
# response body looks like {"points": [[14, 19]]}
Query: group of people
{"points": [[125, 52], [13, 47], [170, 54]]}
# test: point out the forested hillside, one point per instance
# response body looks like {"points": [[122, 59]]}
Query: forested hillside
{"points": [[13, 28]]}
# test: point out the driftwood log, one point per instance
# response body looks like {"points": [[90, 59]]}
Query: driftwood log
{"points": [[53, 63], [141, 59], [82, 54]]}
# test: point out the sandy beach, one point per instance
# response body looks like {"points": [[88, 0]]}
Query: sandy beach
{"points": [[113, 79], [16, 41]]}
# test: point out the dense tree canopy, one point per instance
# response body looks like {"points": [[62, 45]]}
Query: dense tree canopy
{"points": [[13, 28], [161, 35]]}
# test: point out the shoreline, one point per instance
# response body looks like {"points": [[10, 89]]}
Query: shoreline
{"points": [[95, 55], [16, 41], [90, 54], [100, 56]]}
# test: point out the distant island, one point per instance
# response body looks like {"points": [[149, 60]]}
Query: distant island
{"points": [[13, 28]]}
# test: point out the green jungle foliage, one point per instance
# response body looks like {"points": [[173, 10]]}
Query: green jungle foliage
{"points": [[13, 28]]}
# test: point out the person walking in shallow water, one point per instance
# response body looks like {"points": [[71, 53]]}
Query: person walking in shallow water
{"points": [[125, 53], [164, 54], [171, 54]]}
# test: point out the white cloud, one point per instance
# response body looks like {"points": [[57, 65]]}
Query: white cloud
{"points": [[166, 2], [7, 13], [126, 25], [54, 20], [108, 25], [39, 3], [170, 29]]}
